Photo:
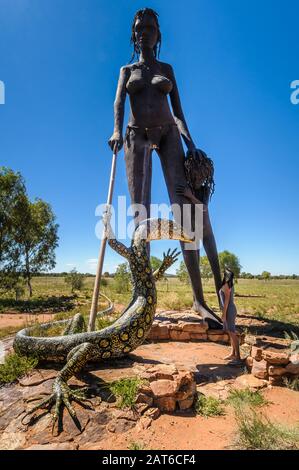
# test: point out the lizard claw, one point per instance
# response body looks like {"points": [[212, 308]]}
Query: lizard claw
{"points": [[170, 257], [62, 395]]}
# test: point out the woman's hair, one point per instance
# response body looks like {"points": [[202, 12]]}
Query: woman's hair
{"points": [[228, 278], [200, 173], [138, 16]]}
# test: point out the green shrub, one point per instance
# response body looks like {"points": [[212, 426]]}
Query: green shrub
{"points": [[125, 390], [208, 406], [136, 445], [246, 397], [256, 432], [16, 366], [75, 280]]}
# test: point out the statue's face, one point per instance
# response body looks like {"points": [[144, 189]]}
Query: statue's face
{"points": [[146, 32]]}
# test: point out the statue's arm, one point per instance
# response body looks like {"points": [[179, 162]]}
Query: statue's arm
{"points": [[178, 111], [119, 108]]}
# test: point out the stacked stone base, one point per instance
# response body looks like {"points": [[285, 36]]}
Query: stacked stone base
{"points": [[271, 360], [185, 326], [167, 388]]}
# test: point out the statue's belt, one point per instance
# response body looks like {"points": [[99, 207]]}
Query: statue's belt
{"points": [[153, 134]]}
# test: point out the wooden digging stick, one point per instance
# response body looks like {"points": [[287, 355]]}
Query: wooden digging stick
{"points": [[96, 289]]}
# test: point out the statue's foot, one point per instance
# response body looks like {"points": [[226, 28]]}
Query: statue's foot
{"points": [[208, 315], [62, 395]]}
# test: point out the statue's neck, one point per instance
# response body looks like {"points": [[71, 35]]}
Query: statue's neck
{"points": [[147, 56]]}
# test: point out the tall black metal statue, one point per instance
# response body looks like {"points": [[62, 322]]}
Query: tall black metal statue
{"points": [[153, 126]]}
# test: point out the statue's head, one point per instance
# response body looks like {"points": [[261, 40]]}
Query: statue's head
{"points": [[200, 172], [146, 32]]}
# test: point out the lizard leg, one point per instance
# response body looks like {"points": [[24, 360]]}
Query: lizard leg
{"points": [[75, 325], [62, 393]]}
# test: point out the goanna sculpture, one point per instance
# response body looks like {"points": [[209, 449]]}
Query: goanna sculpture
{"points": [[76, 346]]}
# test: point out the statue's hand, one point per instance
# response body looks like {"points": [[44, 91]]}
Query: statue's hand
{"points": [[106, 216], [183, 190], [195, 152], [116, 142]]}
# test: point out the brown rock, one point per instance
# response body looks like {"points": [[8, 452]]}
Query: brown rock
{"points": [[93, 433], [259, 369], [177, 335], [141, 408], [119, 426], [218, 338], [275, 380], [167, 404], [41, 430], [12, 440], [159, 332], [129, 415], [142, 398], [276, 370], [186, 404], [249, 381], [70, 427], [162, 371], [163, 388], [144, 423], [153, 413], [175, 326], [145, 389], [37, 390], [8, 396], [292, 368], [101, 418], [249, 362], [199, 336], [186, 386], [193, 327], [275, 357], [11, 413], [37, 377], [256, 353]]}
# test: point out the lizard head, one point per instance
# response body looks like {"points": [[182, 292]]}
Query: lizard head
{"points": [[159, 229]]}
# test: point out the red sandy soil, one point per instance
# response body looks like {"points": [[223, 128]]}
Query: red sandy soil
{"points": [[198, 433], [15, 319], [190, 431]]}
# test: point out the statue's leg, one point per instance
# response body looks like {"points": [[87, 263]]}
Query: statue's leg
{"points": [[138, 160], [172, 157], [62, 393], [210, 247]]}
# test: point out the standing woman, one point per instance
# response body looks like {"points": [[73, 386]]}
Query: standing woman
{"points": [[229, 313], [153, 126]]}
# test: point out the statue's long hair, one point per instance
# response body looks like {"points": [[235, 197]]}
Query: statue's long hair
{"points": [[139, 15]]}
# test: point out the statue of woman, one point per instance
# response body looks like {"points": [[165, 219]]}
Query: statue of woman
{"points": [[152, 126]]}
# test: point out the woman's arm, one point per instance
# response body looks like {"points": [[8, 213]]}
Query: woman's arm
{"points": [[178, 112], [116, 140]]}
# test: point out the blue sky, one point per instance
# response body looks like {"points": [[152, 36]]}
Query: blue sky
{"points": [[234, 62]]}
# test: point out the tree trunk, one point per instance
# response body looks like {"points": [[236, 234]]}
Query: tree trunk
{"points": [[28, 276]]}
